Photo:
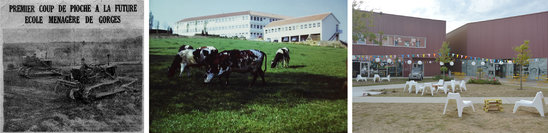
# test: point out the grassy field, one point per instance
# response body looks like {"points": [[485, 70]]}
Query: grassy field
{"points": [[474, 90], [398, 117], [306, 97]]}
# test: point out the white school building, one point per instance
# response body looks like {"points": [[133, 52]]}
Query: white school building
{"points": [[248, 24], [320, 27]]}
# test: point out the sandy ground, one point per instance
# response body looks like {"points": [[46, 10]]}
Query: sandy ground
{"points": [[397, 117], [474, 90]]}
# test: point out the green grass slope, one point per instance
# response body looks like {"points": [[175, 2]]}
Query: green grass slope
{"points": [[306, 97]]}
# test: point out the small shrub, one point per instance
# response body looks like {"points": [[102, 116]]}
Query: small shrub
{"points": [[483, 81], [445, 78]]}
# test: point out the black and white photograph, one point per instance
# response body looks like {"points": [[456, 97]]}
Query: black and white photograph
{"points": [[72, 66]]}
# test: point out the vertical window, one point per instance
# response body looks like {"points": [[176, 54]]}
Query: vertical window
{"points": [[395, 41], [318, 24], [314, 24]]}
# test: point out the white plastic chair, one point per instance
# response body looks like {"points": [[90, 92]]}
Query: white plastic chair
{"points": [[407, 85], [419, 87], [359, 77], [460, 103], [536, 103], [428, 85], [440, 83], [376, 77], [411, 84], [453, 85], [444, 88], [462, 85], [387, 78]]}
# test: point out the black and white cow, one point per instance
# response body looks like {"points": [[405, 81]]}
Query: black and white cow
{"points": [[282, 56], [242, 61], [184, 47], [192, 58]]}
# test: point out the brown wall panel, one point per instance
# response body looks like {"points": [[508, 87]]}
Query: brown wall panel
{"points": [[433, 30]]}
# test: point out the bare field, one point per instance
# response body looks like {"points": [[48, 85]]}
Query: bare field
{"points": [[33, 105], [396, 117]]}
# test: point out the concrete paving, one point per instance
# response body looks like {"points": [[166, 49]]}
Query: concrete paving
{"points": [[358, 91], [478, 100]]}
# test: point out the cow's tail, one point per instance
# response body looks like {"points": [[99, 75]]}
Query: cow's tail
{"points": [[265, 61]]}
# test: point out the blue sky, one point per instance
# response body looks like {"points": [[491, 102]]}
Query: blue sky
{"points": [[457, 12], [170, 11]]}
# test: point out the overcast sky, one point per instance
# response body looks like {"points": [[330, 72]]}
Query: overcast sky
{"points": [[457, 12], [171, 11]]}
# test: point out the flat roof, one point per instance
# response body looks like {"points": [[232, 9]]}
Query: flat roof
{"points": [[254, 13], [510, 17], [382, 13]]}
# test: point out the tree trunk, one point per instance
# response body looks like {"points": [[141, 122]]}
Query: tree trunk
{"points": [[520, 77], [443, 72]]}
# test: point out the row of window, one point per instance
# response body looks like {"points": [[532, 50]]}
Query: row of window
{"points": [[233, 18], [393, 40], [256, 34], [293, 27], [253, 34], [254, 18], [254, 26], [229, 27], [243, 34]]}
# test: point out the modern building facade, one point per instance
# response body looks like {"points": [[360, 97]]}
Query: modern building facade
{"points": [[248, 24], [320, 27], [495, 40], [404, 39]]}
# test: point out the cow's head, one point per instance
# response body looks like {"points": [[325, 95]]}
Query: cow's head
{"points": [[175, 65], [276, 59], [208, 54], [205, 54], [273, 64], [185, 47]]}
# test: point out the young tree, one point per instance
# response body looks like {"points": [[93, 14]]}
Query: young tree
{"points": [[444, 57], [157, 24], [361, 22], [151, 21], [480, 71], [522, 58]]}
